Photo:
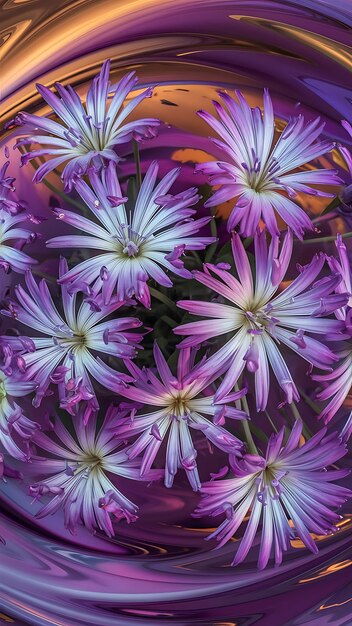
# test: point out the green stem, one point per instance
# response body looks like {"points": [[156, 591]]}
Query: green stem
{"points": [[164, 299], [296, 414], [271, 422], [138, 164], [213, 228], [249, 439], [44, 275], [212, 248], [57, 191], [247, 242], [259, 434], [247, 431], [169, 321], [210, 252], [327, 239], [315, 407], [196, 257]]}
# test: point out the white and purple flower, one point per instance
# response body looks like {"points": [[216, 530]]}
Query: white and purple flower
{"points": [[173, 408], [288, 491], [260, 175], [16, 430], [134, 245], [86, 134], [346, 193], [12, 239], [7, 201], [338, 383], [255, 321], [81, 473], [64, 351]]}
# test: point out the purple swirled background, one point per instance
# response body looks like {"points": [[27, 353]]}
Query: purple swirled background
{"points": [[160, 570]]}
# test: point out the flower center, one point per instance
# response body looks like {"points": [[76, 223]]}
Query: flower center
{"points": [[67, 338], [178, 404], [87, 464], [259, 175], [92, 461], [129, 241], [259, 320], [269, 483], [257, 183], [130, 249], [79, 340], [90, 139]]}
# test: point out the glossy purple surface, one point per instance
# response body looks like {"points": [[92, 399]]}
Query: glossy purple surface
{"points": [[160, 571]]}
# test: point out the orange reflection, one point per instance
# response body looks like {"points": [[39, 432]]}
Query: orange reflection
{"points": [[336, 567], [191, 155], [28, 609], [337, 51], [297, 543], [11, 37], [6, 618], [323, 607], [183, 54]]}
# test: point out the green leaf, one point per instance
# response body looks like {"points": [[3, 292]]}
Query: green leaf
{"points": [[335, 202], [165, 300], [138, 164], [132, 190]]}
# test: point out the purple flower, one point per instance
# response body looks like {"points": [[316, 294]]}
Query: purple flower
{"points": [[259, 170], [62, 353], [11, 258], [6, 189], [76, 476], [338, 383], [343, 267], [255, 321], [87, 134], [7, 471], [346, 194], [133, 246], [175, 408], [15, 427], [289, 491]]}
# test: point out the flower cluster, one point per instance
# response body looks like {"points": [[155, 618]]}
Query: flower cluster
{"points": [[12, 256], [257, 321], [94, 389], [13, 423], [346, 193], [7, 201], [76, 476], [338, 383], [85, 135], [179, 407], [156, 236], [64, 354], [258, 170], [279, 487]]}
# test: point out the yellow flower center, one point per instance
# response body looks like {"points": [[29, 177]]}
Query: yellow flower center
{"points": [[178, 403]]}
